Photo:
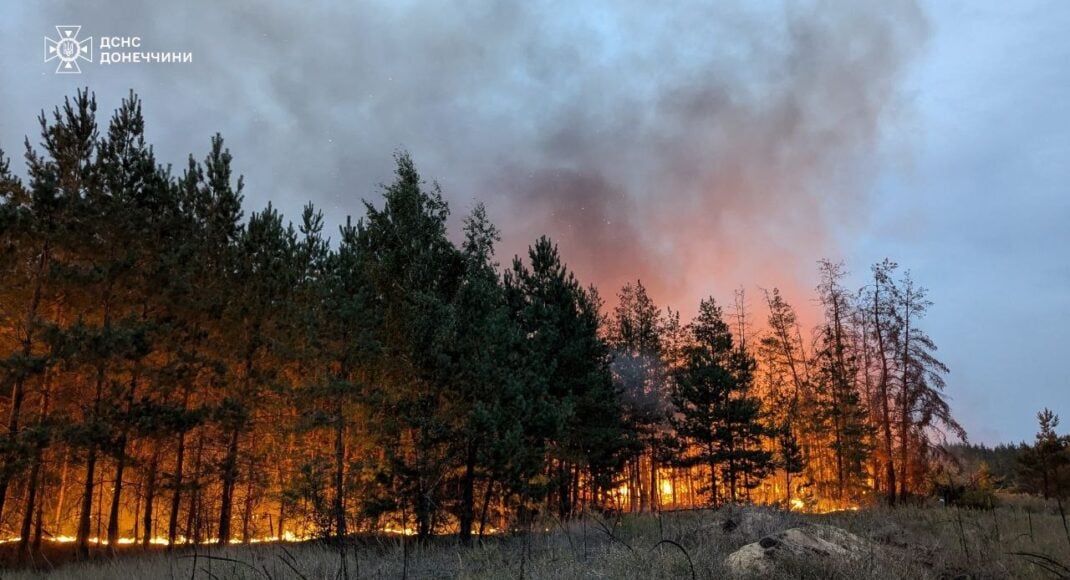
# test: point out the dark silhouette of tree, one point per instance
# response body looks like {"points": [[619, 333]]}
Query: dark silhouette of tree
{"points": [[881, 314], [415, 272], [715, 412], [1045, 466], [570, 367], [838, 406], [635, 338], [788, 376], [922, 406]]}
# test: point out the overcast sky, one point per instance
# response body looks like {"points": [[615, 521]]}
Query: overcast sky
{"points": [[701, 148]]}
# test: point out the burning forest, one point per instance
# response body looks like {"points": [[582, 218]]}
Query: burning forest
{"points": [[176, 373]]}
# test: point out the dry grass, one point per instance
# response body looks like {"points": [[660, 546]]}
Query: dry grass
{"points": [[912, 542]]}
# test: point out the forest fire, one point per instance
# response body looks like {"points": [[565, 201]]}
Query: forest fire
{"points": [[271, 386], [287, 537], [534, 290], [399, 531], [180, 540], [95, 540]]}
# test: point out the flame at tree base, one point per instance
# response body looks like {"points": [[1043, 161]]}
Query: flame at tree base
{"points": [[816, 507]]}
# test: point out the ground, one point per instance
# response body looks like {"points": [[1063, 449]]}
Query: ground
{"points": [[1018, 539]]}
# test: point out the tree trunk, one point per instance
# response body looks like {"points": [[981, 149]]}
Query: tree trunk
{"points": [[577, 500], [230, 476], [564, 499], [150, 495], [468, 493], [116, 495], [904, 397], [282, 519], [840, 384], [904, 449], [33, 485], [39, 523], [247, 513], [86, 513], [58, 523], [18, 393], [882, 386], [193, 521], [871, 407], [487, 495], [31, 507], [839, 459], [117, 490], [787, 487], [340, 473], [176, 494], [713, 484], [640, 491]]}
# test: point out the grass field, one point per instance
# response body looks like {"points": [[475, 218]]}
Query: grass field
{"points": [[1019, 539]]}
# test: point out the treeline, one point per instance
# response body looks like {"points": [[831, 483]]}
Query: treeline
{"points": [[966, 460], [1041, 468], [174, 372]]}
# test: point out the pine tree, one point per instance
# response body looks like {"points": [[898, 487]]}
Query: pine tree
{"points": [[881, 309], [132, 181], [198, 291], [569, 366], [415, 271], [263, 277], [921, 402], [1045, 466], [744, 426], [25, 252], [838, 406], [334, 347], [485, 379], [40, 214], [598, 431], [635, 337], [789, 388], [785, 343], [99, 270], [715, 411]]}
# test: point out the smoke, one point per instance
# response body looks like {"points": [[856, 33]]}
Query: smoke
{"points": [[699, 147], [736, 165]]}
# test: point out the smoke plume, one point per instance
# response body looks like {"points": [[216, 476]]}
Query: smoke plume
{"points": [[698, 146]]}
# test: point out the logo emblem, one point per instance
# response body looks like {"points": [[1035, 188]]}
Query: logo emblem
{"points": [[68, 49]]}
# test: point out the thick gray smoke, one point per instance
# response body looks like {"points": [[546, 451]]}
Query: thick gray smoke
{"points": [[698, 147]]}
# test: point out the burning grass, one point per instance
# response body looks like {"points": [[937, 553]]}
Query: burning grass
{"points": [[1020, 539]]}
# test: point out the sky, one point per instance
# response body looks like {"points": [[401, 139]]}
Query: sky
{"points": [[701, 148]]}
